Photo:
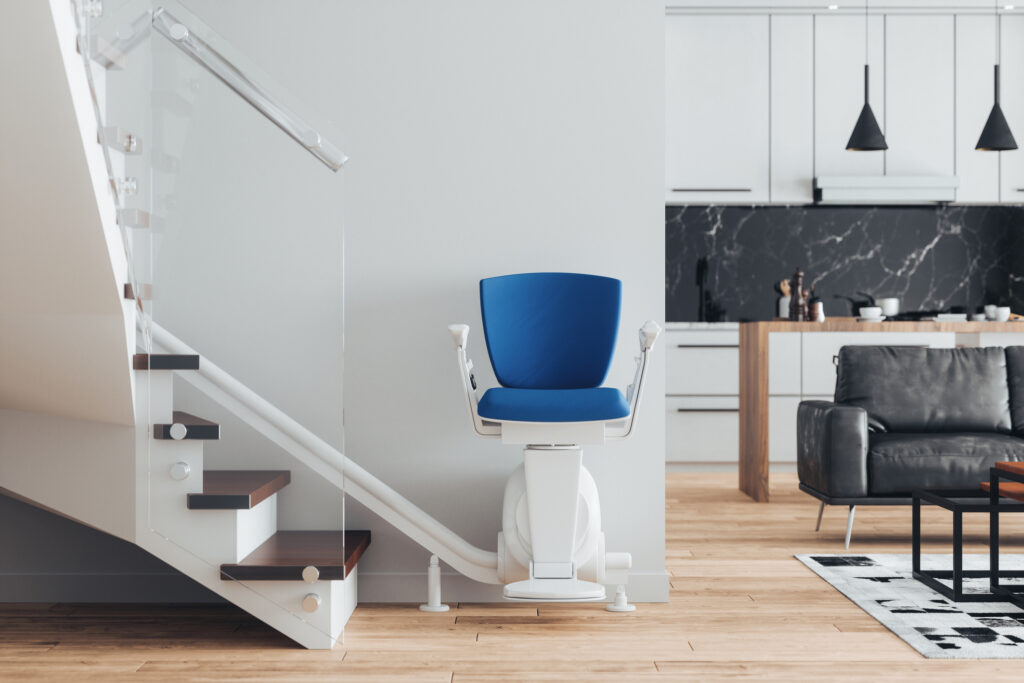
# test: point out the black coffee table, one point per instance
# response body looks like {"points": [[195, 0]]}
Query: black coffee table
{"points": [[959, 502], [1012, 472]]}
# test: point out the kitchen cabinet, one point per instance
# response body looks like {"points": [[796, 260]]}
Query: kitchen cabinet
{"points": [[702, 370], [702, 393], [760, 103], [920, 94], [701, 429], [975, 55], [839, 91], [1011, 172], [792, 109], [717, 109]]}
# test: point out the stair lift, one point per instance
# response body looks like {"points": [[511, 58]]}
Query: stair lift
{"points": [[551, 338]]}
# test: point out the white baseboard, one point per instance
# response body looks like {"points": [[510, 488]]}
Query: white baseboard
{"points": [[411, 587]]}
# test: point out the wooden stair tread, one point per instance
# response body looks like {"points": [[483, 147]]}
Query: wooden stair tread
{"points": [[1015, 467], [287, 553], [165, 361], [1007, 489], [198, 428], [237, 489]]}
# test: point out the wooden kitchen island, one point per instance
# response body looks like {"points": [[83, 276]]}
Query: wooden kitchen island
{"points": [[783, 362]]}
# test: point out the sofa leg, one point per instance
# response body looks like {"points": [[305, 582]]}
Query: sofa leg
{"points": [[849, 525], [821, 510]]}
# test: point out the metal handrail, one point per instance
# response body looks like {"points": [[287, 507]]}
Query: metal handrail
{"points": [[217, 64]]}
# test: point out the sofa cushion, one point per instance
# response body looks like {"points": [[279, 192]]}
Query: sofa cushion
{"points": [[1015, 372], [900, 463], [911, 389]]}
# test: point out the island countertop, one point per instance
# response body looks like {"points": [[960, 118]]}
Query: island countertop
{"points": [[854, 325]]}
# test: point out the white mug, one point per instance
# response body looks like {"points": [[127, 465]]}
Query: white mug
{"points": [[990, 311], [890, 306], [1003, 314]]}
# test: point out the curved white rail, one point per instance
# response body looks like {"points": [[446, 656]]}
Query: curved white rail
{"points": [[328, 462]]}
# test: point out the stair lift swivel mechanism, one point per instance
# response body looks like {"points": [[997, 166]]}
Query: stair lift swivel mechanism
{"points": [[551, 547]]}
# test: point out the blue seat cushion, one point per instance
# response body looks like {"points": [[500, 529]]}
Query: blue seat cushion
{"points": [[553, 405]]}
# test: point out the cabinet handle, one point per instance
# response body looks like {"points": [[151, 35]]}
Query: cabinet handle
{"points": [[707, 410], [713, 189], [707, 346]]}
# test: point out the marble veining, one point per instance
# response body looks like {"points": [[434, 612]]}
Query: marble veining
{"points": [[929, 257]]}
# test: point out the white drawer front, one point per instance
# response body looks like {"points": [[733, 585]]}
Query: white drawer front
{"points": [[782, 428], [819, 372], [702, 430], [703, 370], [784, 363]]}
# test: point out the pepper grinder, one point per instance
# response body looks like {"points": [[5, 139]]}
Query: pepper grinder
{"points": [[798, 302]]}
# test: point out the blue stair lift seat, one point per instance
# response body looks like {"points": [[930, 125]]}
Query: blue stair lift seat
{"points": [[551, 338], [551, 330], [553, 405]]}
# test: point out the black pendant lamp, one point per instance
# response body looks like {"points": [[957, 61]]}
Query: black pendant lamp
{"points": [[866, 135], [996, 135]]}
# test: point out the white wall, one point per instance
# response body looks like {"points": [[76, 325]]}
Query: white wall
{"points": [[486, 138]]}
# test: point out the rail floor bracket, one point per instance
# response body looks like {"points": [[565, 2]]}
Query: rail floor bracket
{"points": [[433, 603]]}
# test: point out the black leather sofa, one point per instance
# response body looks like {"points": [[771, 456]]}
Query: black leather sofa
{"points": [[908, 418]]}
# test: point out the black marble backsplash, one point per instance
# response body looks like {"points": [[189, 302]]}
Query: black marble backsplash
{"points": [[929, 257]]}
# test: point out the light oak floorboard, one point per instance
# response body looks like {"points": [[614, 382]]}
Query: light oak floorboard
{"points": [[740, 608]]}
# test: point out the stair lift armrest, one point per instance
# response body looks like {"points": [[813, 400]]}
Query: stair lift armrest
{"points": [[460, 334], [648, 335]]}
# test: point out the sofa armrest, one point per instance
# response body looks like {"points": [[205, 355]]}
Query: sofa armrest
{"points": [[832, 448]]}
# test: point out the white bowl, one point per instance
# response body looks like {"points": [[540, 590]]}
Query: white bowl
{"points": [[871, 312]]}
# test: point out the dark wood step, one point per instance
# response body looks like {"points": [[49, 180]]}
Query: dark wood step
{"points": [[197, 427], [237, 489], [287, 553], [129, 291], [165, 361]]}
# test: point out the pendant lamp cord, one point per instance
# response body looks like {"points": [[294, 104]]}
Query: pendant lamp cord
{"points": [[999, 47], [866, 31]]}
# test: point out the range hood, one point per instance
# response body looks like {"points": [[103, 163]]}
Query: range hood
{"points": [[885, 189]]}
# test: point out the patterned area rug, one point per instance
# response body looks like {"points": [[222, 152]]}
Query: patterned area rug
{"points": [[883, 586]]}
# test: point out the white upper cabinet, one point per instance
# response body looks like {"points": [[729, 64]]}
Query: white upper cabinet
{"points": [[1011, 186], [759, 104], [717, 109], [975, 57], [792, 109], [839, 92], [920, 95]]}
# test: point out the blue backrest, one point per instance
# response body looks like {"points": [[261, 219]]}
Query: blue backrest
{"points": [[550, 330]]}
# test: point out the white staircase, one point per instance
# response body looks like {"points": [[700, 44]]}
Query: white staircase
{"points": [[107, 448]]}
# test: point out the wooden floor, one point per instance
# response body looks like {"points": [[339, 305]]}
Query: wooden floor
{"points": [[741, 607]]}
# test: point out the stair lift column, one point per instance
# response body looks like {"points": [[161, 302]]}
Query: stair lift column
{"points": [[552, 495]]}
